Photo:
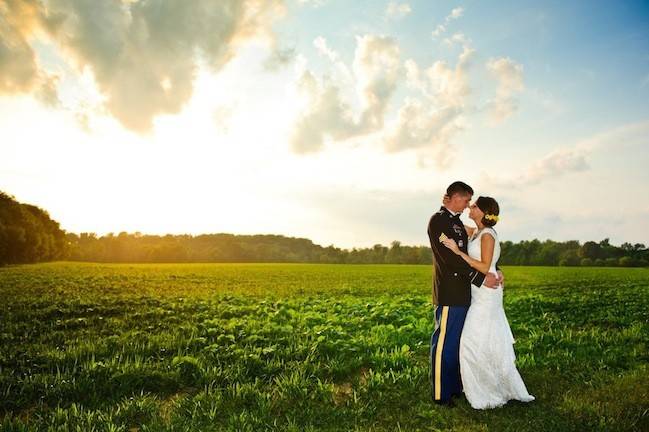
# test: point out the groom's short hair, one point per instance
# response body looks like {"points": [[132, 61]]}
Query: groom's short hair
{"points": [[458, 187]]}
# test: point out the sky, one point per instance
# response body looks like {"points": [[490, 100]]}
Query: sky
{"points": [[342, 122]]}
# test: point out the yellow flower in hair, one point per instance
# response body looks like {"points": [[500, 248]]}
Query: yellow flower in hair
{"points": [[492, 217]]}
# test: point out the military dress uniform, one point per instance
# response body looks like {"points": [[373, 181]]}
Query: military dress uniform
{"points": [[452, 298]]}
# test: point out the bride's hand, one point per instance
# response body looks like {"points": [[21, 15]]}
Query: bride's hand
{"points": [[450, 243]]}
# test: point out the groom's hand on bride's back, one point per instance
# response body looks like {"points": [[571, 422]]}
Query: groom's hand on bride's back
{"points": [[491, 280]]}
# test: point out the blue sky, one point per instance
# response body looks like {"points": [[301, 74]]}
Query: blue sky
{"points": [[170, 117]]}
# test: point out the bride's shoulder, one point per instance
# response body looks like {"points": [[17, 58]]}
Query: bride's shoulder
{"points": [[490, 231]]}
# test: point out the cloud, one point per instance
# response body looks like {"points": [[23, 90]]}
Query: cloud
{"points": [[441, 28], [442, 84], [510, 82], [326, 115], [455, 14], [377, 67], [425, 122], [18, 67], [420, 127], [397, 10], [143, 55], [375, 72], [320, 43], [279, 58], [628, 135], [47, 92], [429, 125], [457, 38], [555, 164], [574, 159]]}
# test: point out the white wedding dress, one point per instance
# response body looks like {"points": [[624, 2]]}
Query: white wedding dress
{"points": [[487, 359]]}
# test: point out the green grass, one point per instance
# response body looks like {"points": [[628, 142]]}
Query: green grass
{"points": [[113, 347]]}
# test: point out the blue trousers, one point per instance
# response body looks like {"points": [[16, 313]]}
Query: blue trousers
{"points": [[445, 352]]}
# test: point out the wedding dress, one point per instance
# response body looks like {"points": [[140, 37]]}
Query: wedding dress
{"points": [[487, 359]]}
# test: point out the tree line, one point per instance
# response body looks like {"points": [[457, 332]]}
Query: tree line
{"points": [[28, 234]]}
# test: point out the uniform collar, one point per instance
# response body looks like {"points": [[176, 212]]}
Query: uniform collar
{"points": [[451, 211]]}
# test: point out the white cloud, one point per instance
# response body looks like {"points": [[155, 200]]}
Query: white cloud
{"points": [[633, 134], [375, 71], [47, 92], [555, 164], [457, 38], [429, 125], [425, 129], [321, 45], [455, 14], [441, 28], [442, 84], [326, 115], [425, 123], [397, 10], [573, 159], [509, 75], [377, 68], [341, 68], [143, 55]]}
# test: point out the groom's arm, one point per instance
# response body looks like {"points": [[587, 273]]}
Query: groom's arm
{"points": [[453, 262]]}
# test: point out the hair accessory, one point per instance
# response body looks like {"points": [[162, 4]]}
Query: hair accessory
{"points": [[492, 217]]}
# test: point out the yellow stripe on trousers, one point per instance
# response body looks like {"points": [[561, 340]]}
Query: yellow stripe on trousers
{"points": [[438, 353]]}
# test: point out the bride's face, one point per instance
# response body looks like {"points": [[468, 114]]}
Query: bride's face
{"points": [[475, 213]]}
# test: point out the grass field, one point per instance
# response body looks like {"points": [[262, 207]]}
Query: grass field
{"points": [[119, 347]]}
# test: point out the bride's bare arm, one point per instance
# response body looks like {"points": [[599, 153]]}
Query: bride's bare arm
{"points": [[487, 244]]}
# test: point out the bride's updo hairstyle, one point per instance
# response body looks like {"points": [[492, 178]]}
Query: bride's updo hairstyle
{"points": [[489, 206]]}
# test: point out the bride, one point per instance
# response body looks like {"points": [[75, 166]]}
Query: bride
{"points": [[487, 359]]}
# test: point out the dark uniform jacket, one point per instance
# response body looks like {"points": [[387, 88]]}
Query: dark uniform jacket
{"points": [[454, 275]]}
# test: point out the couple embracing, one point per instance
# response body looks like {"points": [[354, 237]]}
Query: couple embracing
{"points": [[471, 347]]}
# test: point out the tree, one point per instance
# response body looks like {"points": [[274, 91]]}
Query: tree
{"points": [[591, 250], [28, 234], [626, 261]]}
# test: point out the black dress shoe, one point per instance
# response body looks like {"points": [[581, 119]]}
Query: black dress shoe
{"points": [[447, 403]]}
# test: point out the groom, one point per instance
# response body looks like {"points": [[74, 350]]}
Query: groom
{"points": [[451, 291]]}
